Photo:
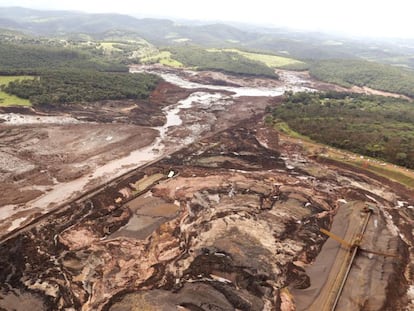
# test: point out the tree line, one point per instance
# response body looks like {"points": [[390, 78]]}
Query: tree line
{"points": [[375, 126], [65, 75], [36, 59], [225, 61], [59, 87], [349, 72]]}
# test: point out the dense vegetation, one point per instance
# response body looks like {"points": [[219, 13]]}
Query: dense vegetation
{"points": [[227, 61], [161, 32], [8, 99], [68, 72], [270, 60], [82, 86], [36, 59], [363, 73], [375, 126]]}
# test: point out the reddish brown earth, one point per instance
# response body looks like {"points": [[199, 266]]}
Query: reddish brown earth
{"points": [[34, 157], [229, 222], [232, 229], [49, 156]]}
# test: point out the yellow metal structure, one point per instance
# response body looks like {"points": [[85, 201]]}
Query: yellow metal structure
{"points": [[355, 244], [336, 238]]}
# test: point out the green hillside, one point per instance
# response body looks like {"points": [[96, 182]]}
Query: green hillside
{"points": [[226, 61], [7, 99], [270, 60], [375, 126], [348, 72]]}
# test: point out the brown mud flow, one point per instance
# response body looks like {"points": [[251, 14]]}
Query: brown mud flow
{"points": [[39, 150], [230, 222], [49, 156]]}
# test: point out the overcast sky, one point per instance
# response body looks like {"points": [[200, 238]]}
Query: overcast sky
{"points": [[382, 18]]}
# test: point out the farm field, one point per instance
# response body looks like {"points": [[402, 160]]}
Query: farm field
{"points": [[270, 60], [162, 57]]}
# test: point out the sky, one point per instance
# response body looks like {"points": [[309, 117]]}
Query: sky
{"points": [[380, 18]]}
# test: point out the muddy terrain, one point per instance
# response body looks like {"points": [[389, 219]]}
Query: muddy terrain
{"points": [[214, 211], [46, 146], [231, 222], [49, 156]]}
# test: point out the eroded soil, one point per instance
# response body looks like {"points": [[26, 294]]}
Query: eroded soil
{"points": [[43, 147], [50, 155], [233, 227], [230, 221]]}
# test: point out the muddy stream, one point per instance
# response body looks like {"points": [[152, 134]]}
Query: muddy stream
{"points": [[164, 144], [237, 224]]}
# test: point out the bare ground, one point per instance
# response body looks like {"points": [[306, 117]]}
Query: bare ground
{"points": [[311, 82], [43, 155], [234, 228], [231, 230], [50, 155]]}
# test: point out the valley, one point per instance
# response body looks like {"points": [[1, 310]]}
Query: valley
{"points": [[153, 164], [211, 207], [178, 113]]}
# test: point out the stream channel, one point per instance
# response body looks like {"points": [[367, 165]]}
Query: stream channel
{"points": [[219, 96]]}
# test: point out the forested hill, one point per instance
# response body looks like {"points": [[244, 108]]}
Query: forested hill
{"points": [[158, 31], [375, 126], [162, 32], [230, 62], [45, 43], [364, 73], [69, 86], [58, 75], [36, 59]]}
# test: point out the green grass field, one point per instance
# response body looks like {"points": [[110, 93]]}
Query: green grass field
{"points": [[109, 46], [11, 100], [162, 57], [284, 128], [273, 61], [4, 80]]}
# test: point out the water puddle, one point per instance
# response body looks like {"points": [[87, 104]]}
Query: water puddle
{"points": [[148, 214]]}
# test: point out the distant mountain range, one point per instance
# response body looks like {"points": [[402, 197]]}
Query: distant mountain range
{"points": [[158, 31], [163, 32]]}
